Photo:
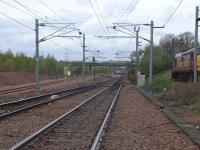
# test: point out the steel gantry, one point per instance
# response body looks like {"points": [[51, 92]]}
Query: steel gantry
{"points": [[48, 37], [123, 28]]}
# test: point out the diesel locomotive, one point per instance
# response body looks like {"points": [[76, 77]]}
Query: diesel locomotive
{"points": [[183, 66]]}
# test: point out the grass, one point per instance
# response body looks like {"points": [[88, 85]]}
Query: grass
{"points": [[184, 96], [160, 81], [193, 107]]}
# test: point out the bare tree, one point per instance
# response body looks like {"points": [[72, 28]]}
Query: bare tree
{"points": [[172, 44], [186, 41]]}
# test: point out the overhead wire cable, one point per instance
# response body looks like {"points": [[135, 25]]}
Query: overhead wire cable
{"points": [[129, 10], [25, 7], [17, 8], [101, 24], [56, 31], [105, 25], [133, 7], [51, 9], [36, 13], [15, 20], [170, 17]]}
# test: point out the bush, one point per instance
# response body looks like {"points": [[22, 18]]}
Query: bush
{"points": [[161, 62], [184, 94]]}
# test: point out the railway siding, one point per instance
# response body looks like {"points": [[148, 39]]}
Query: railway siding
{"points": [[138, 124]]}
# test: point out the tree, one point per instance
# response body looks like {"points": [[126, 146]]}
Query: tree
{"points": [[187, 41], [172, 44], [161, 61]]}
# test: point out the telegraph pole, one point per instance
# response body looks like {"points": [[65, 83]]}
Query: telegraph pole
{"points": [[37, 78], [151, 54], [196, 43], [83, 72]]}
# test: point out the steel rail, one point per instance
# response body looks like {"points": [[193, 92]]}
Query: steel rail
{"points": [[28, 87], [30, 138], [45, 102], [41, 96], [49, 94], [104, 123]]}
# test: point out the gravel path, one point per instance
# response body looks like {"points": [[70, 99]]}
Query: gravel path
{"points": [[138, 124], [16, 128]]}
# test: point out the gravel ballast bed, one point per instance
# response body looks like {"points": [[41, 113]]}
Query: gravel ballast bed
{"points": [[138, 124], [78, 130], [16, 128], [44, 90]]}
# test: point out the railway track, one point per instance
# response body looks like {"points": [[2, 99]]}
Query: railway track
{"points": [[28, 87], [79, 128], [32, 86], [11, 108]]}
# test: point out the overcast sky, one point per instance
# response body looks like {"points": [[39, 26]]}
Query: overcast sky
{"points": [[22, 39]]}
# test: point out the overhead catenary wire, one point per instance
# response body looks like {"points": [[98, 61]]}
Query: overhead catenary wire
{"points": [[36, 13], [99, 20], [19, 22], [51, 9], [56, 31], [133, 7], [129, 10], [17, 8], [105, 24], [28, 27], [65, 48], [170, 17], [115, 47], [47, 6], [26, 8]]}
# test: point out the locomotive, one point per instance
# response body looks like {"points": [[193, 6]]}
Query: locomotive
{"points": [[183, 66]]}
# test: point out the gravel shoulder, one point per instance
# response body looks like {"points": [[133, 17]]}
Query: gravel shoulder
{"points": [[138, 124], [16, 128]]}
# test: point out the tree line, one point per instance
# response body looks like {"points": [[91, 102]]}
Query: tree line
{"points": [[19, 62]]}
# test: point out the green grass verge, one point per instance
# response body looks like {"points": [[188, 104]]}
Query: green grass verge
{"points": [[163, 80], [160, 81]]}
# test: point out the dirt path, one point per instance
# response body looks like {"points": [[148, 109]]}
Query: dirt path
{"points": [[138, 124]]}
